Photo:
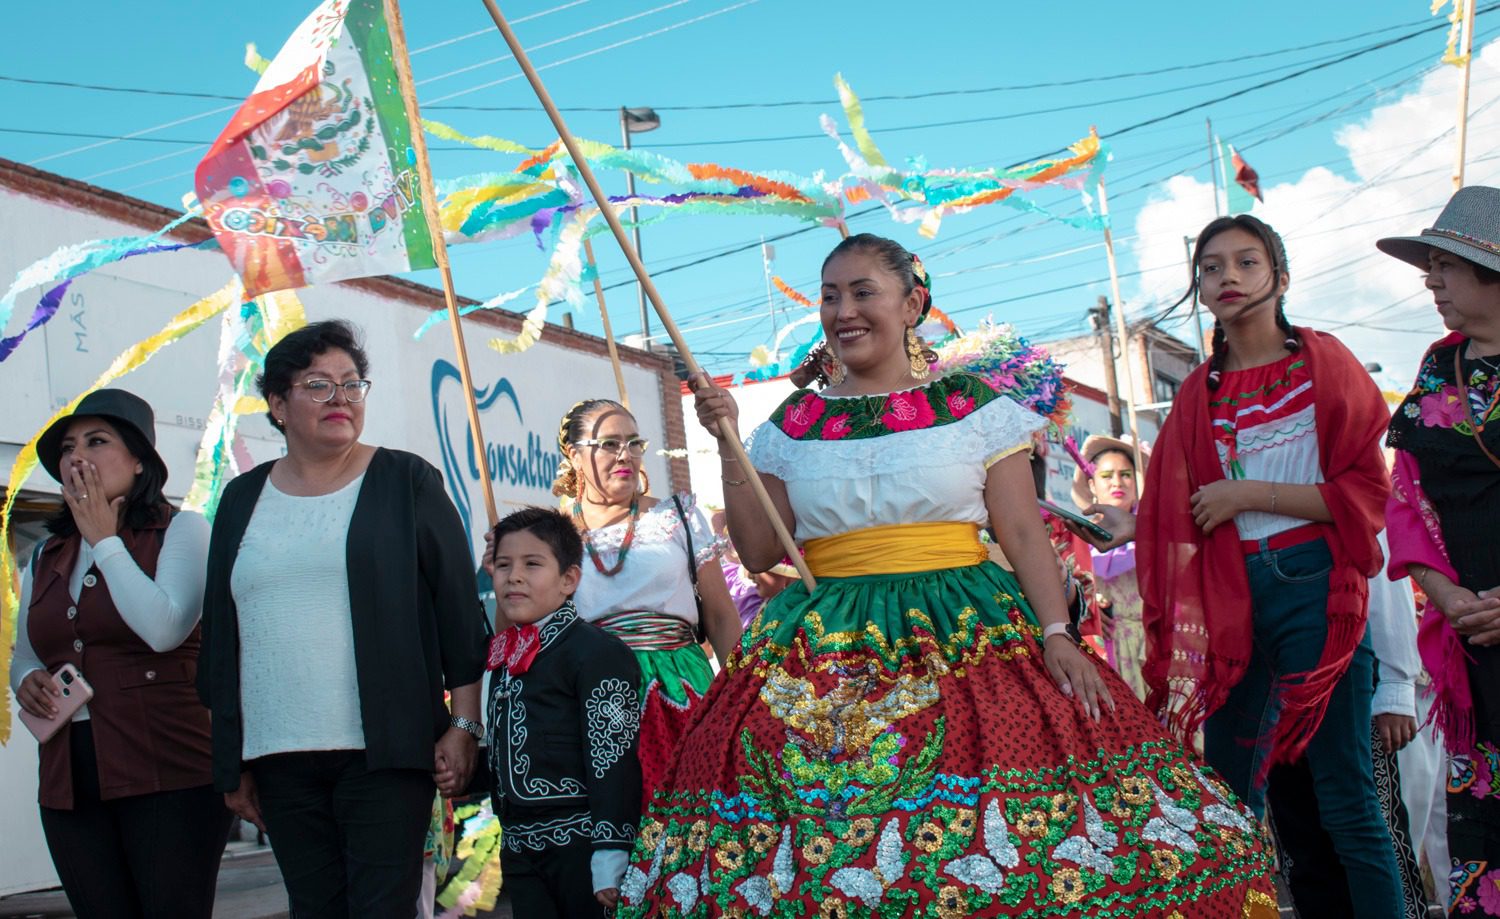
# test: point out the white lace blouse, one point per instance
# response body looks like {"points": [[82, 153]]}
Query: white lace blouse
{"points": [[925, 475], [655, 575]]}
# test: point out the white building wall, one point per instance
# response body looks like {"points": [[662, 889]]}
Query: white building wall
{"points": [[415, 404]]}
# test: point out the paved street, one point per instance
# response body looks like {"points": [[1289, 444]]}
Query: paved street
{"points": [[249, 888]]}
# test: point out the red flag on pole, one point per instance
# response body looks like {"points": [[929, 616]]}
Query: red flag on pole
{"points": [[1244, 176]]}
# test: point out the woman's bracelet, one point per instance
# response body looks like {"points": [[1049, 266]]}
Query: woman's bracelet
{"points": [[1421, 577], [1056, 628], [735, 482], [1273, 497]]}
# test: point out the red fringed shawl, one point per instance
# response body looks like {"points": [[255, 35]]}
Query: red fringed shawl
{"points": [[1195, 587]]}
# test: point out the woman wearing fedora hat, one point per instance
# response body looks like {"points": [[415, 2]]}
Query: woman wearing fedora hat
{"points": [[128, 808], [1445, 500], [1111, 480]]}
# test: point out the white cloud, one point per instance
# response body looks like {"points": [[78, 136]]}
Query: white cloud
{"points": [[1402, 179]]}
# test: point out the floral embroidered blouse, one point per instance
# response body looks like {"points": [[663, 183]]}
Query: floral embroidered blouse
{"points": [[916, 456], [1265, 430], [655, 575], [1462, 483]]}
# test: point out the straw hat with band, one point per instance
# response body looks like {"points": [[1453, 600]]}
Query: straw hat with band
{"points": [[1101, 443], [117, 406], [1469, 227]]}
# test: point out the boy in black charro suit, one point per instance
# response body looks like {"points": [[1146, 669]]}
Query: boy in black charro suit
{"points": [[563, 719]]}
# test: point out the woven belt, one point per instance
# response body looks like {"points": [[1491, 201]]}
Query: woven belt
{"points": [[645, 630]]}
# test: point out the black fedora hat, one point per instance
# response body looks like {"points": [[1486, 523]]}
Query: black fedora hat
{"points": [[117, 405], [1468, 227]]}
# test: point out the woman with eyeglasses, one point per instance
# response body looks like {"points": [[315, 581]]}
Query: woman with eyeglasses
{"points": [[652, 576], [340, 603]]}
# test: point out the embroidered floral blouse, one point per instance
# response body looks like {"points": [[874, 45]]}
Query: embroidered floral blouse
{"points": [[1265, 430], [1462, 483], [916, 456], [655, 575]]}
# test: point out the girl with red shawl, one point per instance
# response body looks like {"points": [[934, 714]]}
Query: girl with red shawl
{"points": [[1256, 539]]}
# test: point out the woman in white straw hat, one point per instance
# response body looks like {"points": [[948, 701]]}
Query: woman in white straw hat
{"points": [[1444, 503]]}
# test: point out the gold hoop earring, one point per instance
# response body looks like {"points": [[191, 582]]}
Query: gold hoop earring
{"points": [[834, 369], [920, 369], [645, 481]]}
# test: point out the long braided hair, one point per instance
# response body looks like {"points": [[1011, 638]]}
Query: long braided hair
{"points": [[1276, 250], [893, 257], [570, 430]]}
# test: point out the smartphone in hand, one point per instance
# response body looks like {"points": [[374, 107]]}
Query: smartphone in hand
{"points": [[75, 693]]}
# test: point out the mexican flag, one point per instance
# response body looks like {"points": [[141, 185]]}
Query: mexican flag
{"points": [[314, 179]]}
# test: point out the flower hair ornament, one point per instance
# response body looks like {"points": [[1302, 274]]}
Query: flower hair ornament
{"points": [[924, 281]]}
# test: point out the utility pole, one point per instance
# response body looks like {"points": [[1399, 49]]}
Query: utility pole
{"points": [[1099, 318]]}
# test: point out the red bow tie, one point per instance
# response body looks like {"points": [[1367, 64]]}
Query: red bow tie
{"points": [[515, 648]]}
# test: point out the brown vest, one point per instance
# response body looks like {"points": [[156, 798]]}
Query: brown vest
{"points": [[150, 731]]}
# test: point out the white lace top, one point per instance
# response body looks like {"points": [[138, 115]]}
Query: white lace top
{"points": [[655, 575], [923, 475], [298, 683]]}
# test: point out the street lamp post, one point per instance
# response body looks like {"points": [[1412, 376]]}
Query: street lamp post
{"points": [[637, 121]]}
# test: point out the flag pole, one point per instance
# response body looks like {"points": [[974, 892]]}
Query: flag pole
{"points": [[439, 246], [1463, 94], [609, 333], [1123, 329], [607, 209], [1213, 166]]}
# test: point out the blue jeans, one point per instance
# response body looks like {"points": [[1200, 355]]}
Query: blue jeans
{"points": [[1289, 598]]}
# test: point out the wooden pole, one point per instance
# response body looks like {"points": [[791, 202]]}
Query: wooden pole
{"points": [[439, 246], [1463, 94], [1122, 329], [788, 544], [609, 333]]}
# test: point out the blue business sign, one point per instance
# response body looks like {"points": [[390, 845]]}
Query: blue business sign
{"points": [[518, 456]]}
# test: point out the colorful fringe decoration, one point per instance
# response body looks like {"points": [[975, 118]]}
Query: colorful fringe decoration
{"points": [[925, 196], [793, 294], [26, 461], [476, 886], [247, 334], [70, 262], [1013, 366]]}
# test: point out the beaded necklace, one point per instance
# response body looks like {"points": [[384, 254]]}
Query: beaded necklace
{"points": [[588, 538]]}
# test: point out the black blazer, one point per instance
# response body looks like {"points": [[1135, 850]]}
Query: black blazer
{"points": [[418, 623]]}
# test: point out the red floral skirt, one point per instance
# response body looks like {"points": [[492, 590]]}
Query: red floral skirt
{"points": [[894, 746]]}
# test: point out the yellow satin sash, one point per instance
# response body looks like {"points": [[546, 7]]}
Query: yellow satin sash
{"points": [[898, 549]]}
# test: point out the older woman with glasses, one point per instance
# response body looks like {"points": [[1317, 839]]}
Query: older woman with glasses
{"points": [[340, 604], [652, 576]]}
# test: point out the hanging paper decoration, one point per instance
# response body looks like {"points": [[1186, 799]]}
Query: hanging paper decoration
{"points": [[52, 300], [247, 334], [441, 316], [792, 294], [1013, 366], [475, 888], [26, 461], [925, 196], [314, 178], [1455, 29], [69, 262]]}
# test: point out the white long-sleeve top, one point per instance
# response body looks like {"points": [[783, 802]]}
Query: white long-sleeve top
{"points": [[161, 611], [1393, 636]]}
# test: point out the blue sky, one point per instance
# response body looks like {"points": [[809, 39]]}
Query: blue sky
{"points": [[683, 56]]}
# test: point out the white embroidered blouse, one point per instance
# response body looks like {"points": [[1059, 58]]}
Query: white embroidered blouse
{"points": [[655, 575]]}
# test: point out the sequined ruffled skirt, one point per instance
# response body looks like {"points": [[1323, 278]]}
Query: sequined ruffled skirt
{"points": [[894, 746]]}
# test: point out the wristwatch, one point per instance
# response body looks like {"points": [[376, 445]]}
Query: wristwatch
{"points": [[466, 724]]}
